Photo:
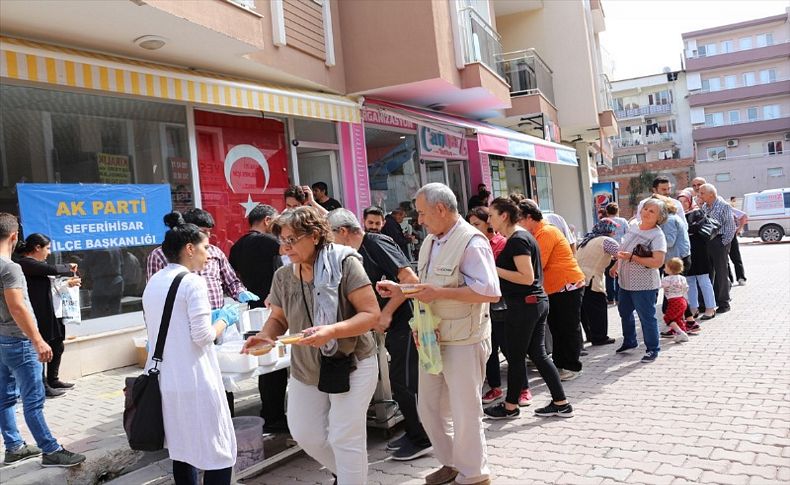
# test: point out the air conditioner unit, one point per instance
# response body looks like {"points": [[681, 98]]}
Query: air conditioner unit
{"points": [[732, 143], [787, 136]]}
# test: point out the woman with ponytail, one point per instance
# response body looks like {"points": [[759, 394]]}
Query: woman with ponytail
{"points": [[198, 427], [41, 276]]}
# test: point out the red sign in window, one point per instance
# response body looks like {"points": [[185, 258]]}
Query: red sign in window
{"points": [[242, 161]]}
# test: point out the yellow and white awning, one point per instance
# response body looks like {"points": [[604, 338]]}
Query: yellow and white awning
{"points": [[32, 61]]}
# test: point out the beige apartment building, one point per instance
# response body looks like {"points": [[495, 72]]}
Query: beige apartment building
{"points": [[738, 79], [559, 90], [227, 102]]}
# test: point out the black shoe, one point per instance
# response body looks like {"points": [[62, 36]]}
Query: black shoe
{"points": [[410, 451], [584, 353], [625, 348], [650, 356], [500, 412], [564, 411], [52, 392], [62, 458], [608, 341], [25, 452], [276, 427], [707, 317], [668, 334], [723, 309], [58, 384], [397, 443]]}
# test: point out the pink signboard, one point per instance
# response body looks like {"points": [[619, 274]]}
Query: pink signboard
{"points": [[440, 145], [375, 117]]}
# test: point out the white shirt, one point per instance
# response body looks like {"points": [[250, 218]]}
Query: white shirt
{"points": [[198, 426], [477, 264], [558, 221]]}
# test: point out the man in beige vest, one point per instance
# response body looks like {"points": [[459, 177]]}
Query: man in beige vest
{"points": [[458, 281]]}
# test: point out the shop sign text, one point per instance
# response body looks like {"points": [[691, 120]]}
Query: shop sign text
{"points": [[438, 145]]}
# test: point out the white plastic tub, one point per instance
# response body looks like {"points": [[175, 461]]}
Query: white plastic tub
{"points": [[231, 360], [249, 441]]}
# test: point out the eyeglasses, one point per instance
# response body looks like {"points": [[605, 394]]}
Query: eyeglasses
{"points": [[291, 240]]}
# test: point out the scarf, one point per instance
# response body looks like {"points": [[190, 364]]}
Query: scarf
{"points": [[604, 227], [327, 273]]}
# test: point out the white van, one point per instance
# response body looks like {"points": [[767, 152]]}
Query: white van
{"points": [[769, 214]]}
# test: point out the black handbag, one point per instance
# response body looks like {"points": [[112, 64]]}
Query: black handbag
{"points": [[642, 251], [702, 224], [142, 413], [334, 377]]}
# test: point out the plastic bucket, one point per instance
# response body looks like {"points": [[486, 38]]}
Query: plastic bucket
{"points": [[249, 441]]}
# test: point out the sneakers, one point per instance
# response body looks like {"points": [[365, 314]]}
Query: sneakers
{"points": [[22, 453], [651, 355], [693, 328], [52, 392], [625, 348], [397, 443], [62, 458], [410, 451], [568, 375], [681, 337], [741, 281], [501, 412], [58, 384], [668, 334], [493, 394], [525, 398], [564, 411]]}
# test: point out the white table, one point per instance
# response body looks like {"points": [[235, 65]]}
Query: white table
{"points": [[231, 379]]}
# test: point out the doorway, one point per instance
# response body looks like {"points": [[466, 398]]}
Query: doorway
{"points": [[319, 166], [451, 173]]}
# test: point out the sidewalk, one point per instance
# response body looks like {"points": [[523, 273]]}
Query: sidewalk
{"points": [[713, 410]]}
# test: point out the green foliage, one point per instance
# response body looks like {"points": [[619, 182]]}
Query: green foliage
{"points": [[639, 186]]}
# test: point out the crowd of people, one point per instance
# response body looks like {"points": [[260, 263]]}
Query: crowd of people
{"points": [[492, 282]]}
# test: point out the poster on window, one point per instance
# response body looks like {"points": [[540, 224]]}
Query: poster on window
{"points": [[242, 162], [113, 169]]}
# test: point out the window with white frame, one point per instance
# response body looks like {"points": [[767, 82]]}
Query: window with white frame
{"points": [[660, 97], [726, 46], [776, 172], [764, 40], [716, 153], [714, 84], [744, 43], [667, 126], [714, 119], [771, 112], [767, 76], [748, 79], [752, 114], [730, 81], [707, 50], [665, 155], [774, 147], [723, 177], [734, 116], [248, 4]]}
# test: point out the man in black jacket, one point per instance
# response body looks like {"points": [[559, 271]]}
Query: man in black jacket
{"points": [[255, 257], [392, 228]]}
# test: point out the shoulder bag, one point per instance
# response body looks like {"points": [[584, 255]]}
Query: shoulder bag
{"points": [[142, 414], [703, 224]]}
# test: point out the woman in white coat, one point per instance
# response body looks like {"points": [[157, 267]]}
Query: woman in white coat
{"points": [[198, 428]]}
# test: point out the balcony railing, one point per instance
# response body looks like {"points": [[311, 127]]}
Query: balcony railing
{"points": [[526, 73], [646, 140], [650, 110], [480, 41]]}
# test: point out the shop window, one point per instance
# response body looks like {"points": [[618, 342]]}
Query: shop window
{"points": [[49, 136], [716, 153], [315, 131], [545, 191], [393, 167]]}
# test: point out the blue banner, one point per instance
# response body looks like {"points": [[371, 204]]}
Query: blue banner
{"points": [[79, 217]]}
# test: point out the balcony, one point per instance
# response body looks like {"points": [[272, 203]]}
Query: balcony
{"points": [[479, 40], [650, 110], [740, 57], [527, 74], [741, 129], [631, 146], [778, 88]]}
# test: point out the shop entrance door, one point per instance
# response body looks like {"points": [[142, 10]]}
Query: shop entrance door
{"points": [[456, 180], [433, 171], [320, 166]]}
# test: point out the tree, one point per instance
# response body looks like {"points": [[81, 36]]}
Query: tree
{"points": [[640, 185]]}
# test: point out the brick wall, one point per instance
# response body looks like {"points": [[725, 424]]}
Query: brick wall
{"points": [[678, 171]]}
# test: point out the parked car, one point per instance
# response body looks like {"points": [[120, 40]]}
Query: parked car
{"points": [[769, 214]]}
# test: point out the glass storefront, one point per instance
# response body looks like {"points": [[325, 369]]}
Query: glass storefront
{"points": [[49, 136], [528, 177]]}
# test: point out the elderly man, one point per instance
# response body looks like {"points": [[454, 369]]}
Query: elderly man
{"points": [[719, 247], [459, 280], [382, 259]]}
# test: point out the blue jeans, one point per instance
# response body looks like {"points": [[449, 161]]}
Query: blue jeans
{"points": [[644, 302], [707, 291], [19, 366]]}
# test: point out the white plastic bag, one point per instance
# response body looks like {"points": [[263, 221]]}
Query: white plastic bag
{"points": [[70, 304]]}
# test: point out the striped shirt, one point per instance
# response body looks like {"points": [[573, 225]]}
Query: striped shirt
{"points": [[218, 273]]}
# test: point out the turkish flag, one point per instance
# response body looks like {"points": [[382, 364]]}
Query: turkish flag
{"points": [[240, 159]]}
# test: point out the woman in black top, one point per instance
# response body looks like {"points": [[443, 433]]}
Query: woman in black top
{"points": [[521, 281], [33, 260]]}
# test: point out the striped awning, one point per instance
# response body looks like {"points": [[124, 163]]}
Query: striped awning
{"points": [[32, 61]]}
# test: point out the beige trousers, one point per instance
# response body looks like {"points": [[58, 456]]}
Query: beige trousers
{"points": [[450, 407]]}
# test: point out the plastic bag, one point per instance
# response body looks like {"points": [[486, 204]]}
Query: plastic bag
{"points": [[70, 304], [429, 352]]}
